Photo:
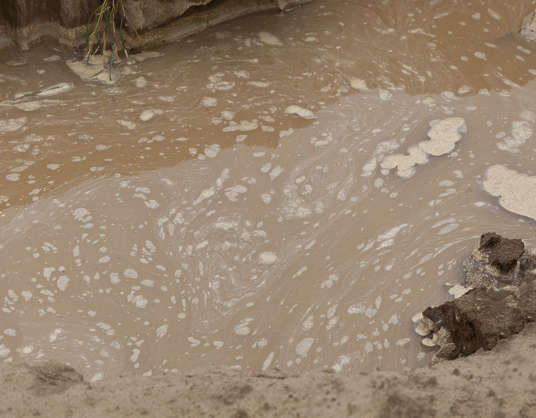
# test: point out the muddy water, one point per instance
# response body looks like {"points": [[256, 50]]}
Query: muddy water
{"points": [[224, 204]]}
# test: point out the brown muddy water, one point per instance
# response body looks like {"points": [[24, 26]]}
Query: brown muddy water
{"points": [[224, 203]]}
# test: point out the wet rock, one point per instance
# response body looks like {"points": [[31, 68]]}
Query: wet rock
{"points": [[53, 378], [148, 14], [503, 253], [143, 15], [495, 263], [68, 13], [5, 41], [528, 29], [502, 302], [95, 70], [479, 319], [29, 21]]}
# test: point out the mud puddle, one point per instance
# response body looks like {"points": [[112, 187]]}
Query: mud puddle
{"points": [[228, 201]]}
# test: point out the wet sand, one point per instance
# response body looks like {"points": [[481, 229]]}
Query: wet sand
{"points": [[225, 203], [492, 384]]}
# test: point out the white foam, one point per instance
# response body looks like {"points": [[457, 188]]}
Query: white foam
{"points": [[268, 361], [404, 163], [141, 82], [147, 115], [267, 257], [444, 135], [303, 347], [269, 39], [127, 124], [12, 125], [162, 330], [300, 111], [521, 132], [209, 101], [130, 273], [516, 191], [62, 283], [358, 84]]}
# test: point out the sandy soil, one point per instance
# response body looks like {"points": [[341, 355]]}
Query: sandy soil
{"points": [[498, 383]]}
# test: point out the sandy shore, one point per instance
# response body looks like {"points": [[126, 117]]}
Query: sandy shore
{"points": [[498, 383]]}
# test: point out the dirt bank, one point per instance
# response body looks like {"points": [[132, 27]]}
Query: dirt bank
{"points": [[148, 22], [497, 383]]}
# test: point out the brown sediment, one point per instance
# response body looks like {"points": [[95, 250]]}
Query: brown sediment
{"points": [[225, 203]]}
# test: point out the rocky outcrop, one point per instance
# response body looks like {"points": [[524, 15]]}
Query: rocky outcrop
{"points": [[148, 22], [142, 15], [502, 277], [68, 13], [28, 21]]}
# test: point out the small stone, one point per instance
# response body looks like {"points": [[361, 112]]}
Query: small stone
{"points": [[428, 342], [424, 327]]}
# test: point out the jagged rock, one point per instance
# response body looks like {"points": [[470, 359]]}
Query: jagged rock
{"points": [[503, 253], [502, 302], [480, 318], [495, 263]]}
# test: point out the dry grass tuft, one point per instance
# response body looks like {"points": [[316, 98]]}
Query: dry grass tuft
{"points": [[105, 33]]}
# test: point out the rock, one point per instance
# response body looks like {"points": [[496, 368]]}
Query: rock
{"points": [[503, 253], [480, 318], [458, 290], [502, 302], [494, 263], [148, 14], [95, 70], [289, 4], [68, 13], [528, 28], [29, 21], [5, 41], [148, 22], [447, 351]]}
